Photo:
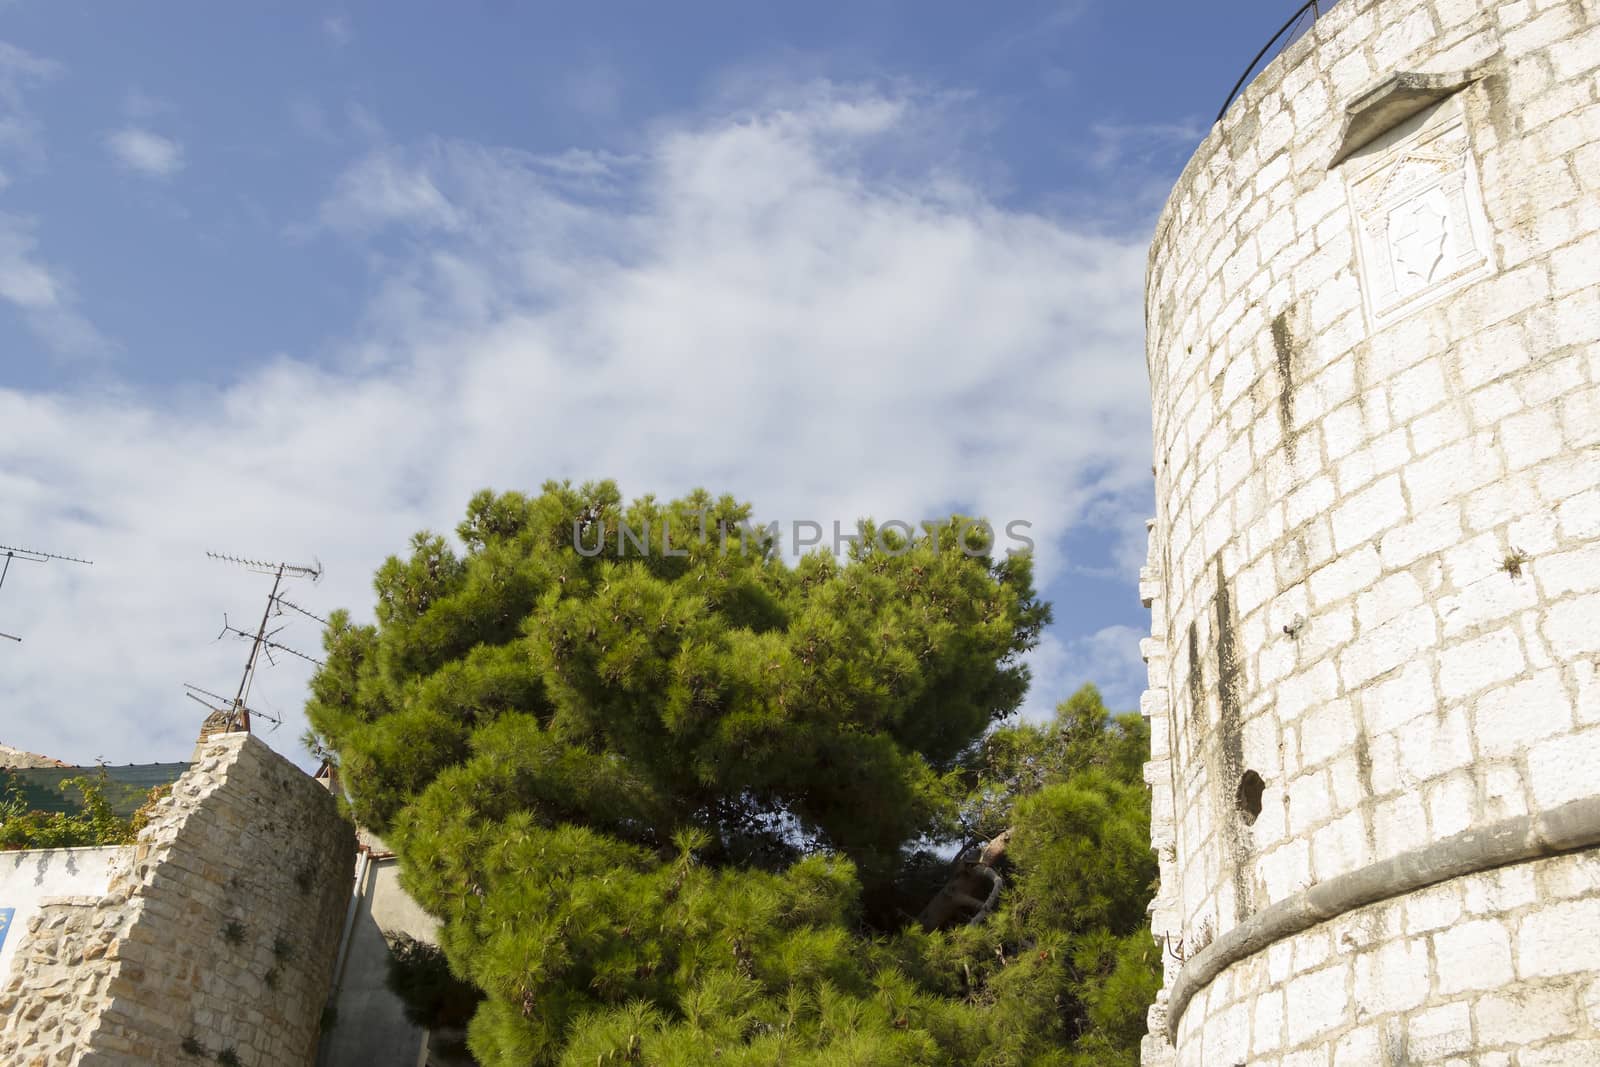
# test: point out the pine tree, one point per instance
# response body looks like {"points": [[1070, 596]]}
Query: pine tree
{"points": [[677, 807]]}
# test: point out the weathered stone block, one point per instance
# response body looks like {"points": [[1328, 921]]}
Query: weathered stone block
{"points": [[1369, 513], [1561, 938]]}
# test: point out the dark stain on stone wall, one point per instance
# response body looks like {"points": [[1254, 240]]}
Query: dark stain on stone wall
{"points": [[1197, 692], [1283, 345], [1230, 746], [1502, 116], [1363, 749], [1396, 1046]]}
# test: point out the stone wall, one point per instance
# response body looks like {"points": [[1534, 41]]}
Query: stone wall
{"points": [[1490, 969], [1373, 310], [219, 934]]}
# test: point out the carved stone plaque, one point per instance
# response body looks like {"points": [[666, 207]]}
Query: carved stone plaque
{"points": [[1420, 226]]}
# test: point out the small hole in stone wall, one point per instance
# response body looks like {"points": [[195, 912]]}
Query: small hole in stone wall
{"points": [[1250, 789]]}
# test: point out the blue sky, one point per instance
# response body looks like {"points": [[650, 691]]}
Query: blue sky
{"points": [[293, 281]]}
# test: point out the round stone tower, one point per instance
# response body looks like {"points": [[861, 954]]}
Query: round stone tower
{"points": [[1373, 309]]}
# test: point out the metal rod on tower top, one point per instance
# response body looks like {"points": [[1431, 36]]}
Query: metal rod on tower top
{"points": [[255, 653], [1309, 5], [240, 709]]}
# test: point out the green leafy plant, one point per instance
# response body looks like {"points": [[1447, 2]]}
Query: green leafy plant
{"points": [[233, 932], [95, 823]]}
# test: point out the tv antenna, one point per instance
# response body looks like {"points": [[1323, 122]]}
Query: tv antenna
{"points": [[30, 555], [262, 643]]}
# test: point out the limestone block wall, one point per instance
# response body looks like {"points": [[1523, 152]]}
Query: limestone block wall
{"points": [[1493, 969], [218, 934], [1373, 308]]}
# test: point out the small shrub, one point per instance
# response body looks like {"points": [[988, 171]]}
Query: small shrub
{"points": [[282, 949], [233, 932], [228, 1057], [420, 976], [191, 1046]]}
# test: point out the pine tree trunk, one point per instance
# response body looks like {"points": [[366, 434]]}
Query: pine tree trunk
{"points": [[973, 889]]}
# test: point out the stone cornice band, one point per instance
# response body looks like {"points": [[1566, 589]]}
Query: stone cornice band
{"points": [[1568, 828]]}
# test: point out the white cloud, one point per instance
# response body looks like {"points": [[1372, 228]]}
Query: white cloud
{"points": [[1108, 657], [19, 71], [748, 305], [336, 27], [147, 153], [23, 280], [18, 67], [382, 190], [1131, 145], [353, 123], [42, 294], [1033, 34]]}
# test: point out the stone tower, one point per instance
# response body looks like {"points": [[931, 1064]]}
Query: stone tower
{"points": [[1373, 308]]}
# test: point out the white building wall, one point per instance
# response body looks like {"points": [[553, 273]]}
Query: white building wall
{"points": [[30, 878], [372, 1026]]}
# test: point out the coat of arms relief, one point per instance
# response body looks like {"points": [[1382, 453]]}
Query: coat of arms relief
{"points": [[1420, 225]]}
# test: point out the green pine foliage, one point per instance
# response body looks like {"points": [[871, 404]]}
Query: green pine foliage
{"points": [[681, 808]]}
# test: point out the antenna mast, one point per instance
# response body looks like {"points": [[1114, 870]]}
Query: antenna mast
{"points": [[261, 642], [30, 555]]}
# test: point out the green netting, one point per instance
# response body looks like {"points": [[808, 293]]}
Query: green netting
{"points": [[44, 788]]}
